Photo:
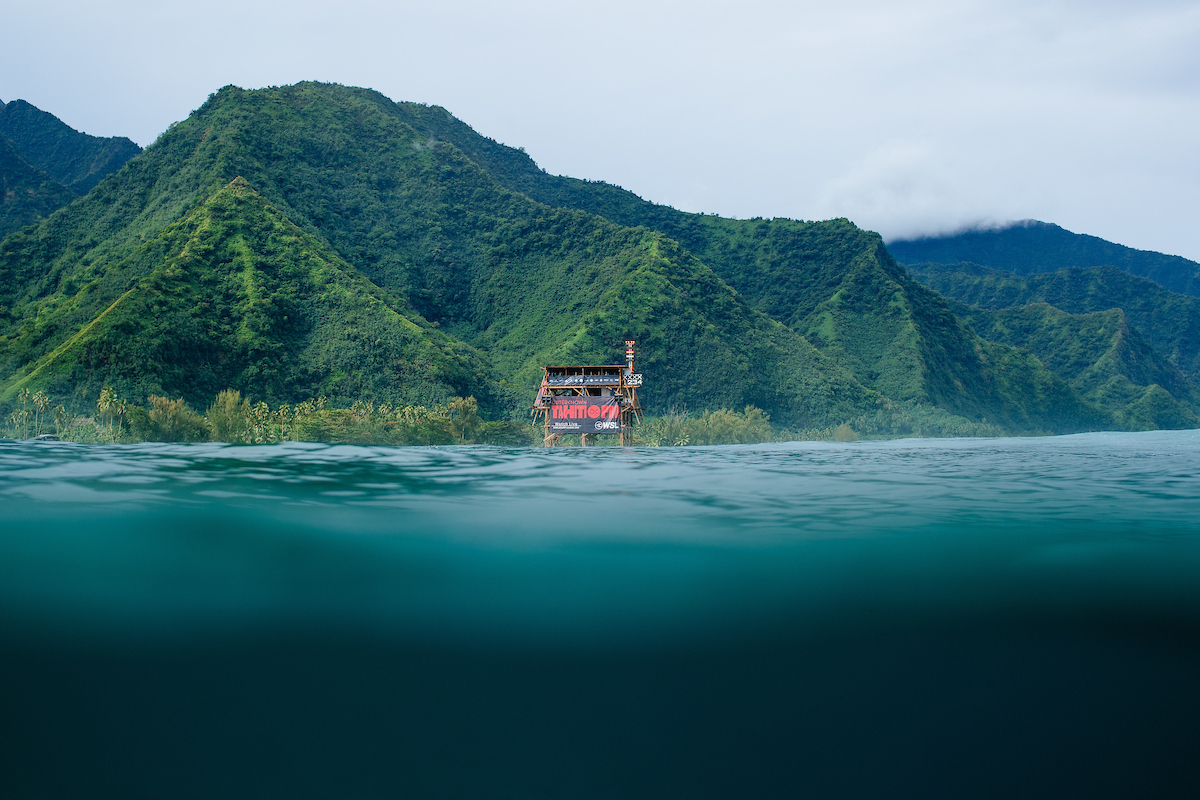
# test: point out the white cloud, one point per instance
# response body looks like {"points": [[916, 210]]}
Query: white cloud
{"points": [[906, 187]]}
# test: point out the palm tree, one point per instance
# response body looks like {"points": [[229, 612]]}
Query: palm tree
{"points": [[114, 408], [464, 418], [260, 417], [41, 403], [120, 409], [283, 416], [23, 396], [62, 421]]}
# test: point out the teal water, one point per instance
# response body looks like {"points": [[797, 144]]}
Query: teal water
{"points": [[912, 618]]}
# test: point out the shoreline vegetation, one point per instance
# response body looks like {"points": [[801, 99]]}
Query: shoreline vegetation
{"points": [[232, 418]]}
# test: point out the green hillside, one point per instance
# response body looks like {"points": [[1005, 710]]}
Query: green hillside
{"points": [[525, 284], [1169, 321], [1102, 357], [830, 281], [235, 295], [76, 160], [490, 271], [26, 193], [1031, 247]]}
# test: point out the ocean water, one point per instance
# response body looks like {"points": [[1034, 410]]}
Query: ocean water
{"points": [[914, 618]]}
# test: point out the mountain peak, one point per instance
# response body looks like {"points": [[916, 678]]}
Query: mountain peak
{"points": [[1032, 246], [240, 185], [76, 160]]}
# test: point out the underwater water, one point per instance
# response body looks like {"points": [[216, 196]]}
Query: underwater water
{"points": [[913, 618]]}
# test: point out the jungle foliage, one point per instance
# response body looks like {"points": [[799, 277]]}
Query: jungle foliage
{"points": [[1169, 321], [234, 419], [27, 194], [832, 282], [319, 240], [75, 160], [234, 295], [1125, 343]]}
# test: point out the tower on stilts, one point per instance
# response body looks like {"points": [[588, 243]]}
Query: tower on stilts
{"points": [[590, 401]]}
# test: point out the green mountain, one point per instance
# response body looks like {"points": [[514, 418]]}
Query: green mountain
{"points": [[1030, 247], [76, 160], [830, 281], [483, 266], [235, 295], [27, 194], [1103, 357], [1094, 343], [1169, 321], [524, 283]]}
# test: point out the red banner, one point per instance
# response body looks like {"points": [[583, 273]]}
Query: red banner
{"points": [[585, 415]]}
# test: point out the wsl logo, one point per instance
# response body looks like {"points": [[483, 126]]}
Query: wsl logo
{"points": [[584, 408], [585, 414]]}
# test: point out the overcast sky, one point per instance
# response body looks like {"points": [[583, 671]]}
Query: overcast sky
{"points": [[908, 118]]}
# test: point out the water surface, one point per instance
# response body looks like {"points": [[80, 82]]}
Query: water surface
{"points": [[905, 618]]}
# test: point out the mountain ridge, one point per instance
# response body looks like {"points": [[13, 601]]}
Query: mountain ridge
{"points": [[63, 253], [1032, 246], [76, 160], [277, 287], [813, 321], [27, 194], [1124, 342], [1169, 320]]}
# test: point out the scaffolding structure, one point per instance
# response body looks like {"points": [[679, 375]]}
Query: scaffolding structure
{"points": [[590, 401]]}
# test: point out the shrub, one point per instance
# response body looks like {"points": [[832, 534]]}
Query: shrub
{"points": [[677, 429], [229, 417], [844, 433], [176, 421]]}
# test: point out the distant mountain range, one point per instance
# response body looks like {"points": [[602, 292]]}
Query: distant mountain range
{"points": [[1097, 313], [74, 159], [27, 194], [1031, 246], [45, 164], [320, 239]]}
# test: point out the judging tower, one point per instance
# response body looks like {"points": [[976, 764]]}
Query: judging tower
{"points": [[590, 400]]}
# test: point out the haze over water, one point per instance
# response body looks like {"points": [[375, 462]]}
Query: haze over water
{"points": [[904, 618]]}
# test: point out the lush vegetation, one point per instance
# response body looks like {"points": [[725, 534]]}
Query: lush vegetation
{"points": [[1126, 344], [830, 281], [318, 240], [26, 193], [1169, 321], [236, 419], [232, 418], [75, 160], [1031, 247], [1103, 357], [234, 295], [482, 271]]}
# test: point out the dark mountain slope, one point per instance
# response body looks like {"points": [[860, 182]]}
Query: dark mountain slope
{"points": [[1031, 247], [1169, 321], [74, 159], [235, 295], [26, 193], [1103, 357]]}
